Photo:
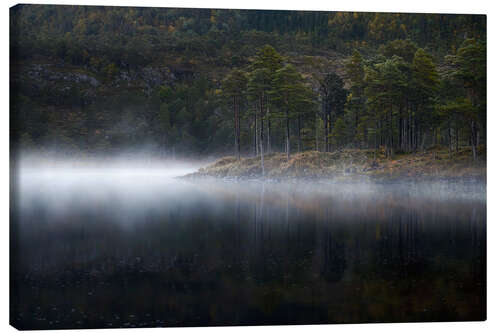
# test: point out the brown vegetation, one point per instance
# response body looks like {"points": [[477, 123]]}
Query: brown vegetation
{"points": [[351, 164]]}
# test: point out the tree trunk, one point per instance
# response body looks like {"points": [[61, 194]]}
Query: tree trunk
{"points": [[316, 143], [414, 132], [268, 127], [326, 131], [235, 112], [262, 134], [356, 127], [269, 150], [392, 133], [287, 135], [450, 143], [473, 140], [238, 130], [478, 128], [330, 128], [255, 132], [422, 144], [405, 135], [408, 132], [298, 132]]}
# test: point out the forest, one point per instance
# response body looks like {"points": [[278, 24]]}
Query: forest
{"points": [[213, 167], [208, 83]]}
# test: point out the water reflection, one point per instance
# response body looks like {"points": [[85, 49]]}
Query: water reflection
{"points": [[92, 251]]}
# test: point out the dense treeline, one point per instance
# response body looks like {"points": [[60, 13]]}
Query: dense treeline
{"points": [[238, 78], [127, 36], [397, 101]]}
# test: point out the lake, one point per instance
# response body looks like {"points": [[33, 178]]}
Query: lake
{"points": [[137, 247]]}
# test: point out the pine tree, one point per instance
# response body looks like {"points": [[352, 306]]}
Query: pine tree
{"points": [[262, 70], [333, 98], [292, 97], [356, 99], [234, 86], [470, 72], [385, 91], [425, 82]]}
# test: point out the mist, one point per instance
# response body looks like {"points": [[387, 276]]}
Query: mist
{"points": [[120, 228], [62, 183]]}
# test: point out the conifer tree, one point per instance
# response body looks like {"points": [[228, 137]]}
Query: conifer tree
{"points": [[234, 86]]}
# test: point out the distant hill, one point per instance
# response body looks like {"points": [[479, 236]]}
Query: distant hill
{"points": [[94, 79]]}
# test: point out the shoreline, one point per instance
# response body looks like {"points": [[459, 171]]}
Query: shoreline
{"points": [[348, 166]]}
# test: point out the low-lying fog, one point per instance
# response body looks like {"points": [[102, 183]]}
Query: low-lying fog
{"points": [[91, 235], [62, 183], [128, 188]]}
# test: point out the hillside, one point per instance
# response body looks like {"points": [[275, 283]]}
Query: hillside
{"points": [[103, 80]]}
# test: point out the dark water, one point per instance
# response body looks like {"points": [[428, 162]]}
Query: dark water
{"points": [[119, 249]]}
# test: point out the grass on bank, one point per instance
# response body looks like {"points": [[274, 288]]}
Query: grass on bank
{"points": [[434, 162]]}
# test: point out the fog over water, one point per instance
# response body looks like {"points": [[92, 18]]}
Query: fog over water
{"points": [[126, 243]]}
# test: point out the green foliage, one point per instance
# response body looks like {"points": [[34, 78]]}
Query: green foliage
{"points": [[262, 70], [382, 78], [289, 91], [425, 76], [135, 37], [234, 84], [403, 48], [333, 93], [340, 132], [469, 71]]}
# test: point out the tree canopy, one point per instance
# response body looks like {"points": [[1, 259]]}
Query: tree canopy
{"points": [[201, 81]]}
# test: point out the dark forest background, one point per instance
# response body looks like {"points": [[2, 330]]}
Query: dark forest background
{"points": [[201, 82]]}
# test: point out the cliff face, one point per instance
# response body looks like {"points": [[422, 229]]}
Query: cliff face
{"points": [[60, 107], [60, 80]]}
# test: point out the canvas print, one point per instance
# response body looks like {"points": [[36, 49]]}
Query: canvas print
{"points": [[214, 167]]}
